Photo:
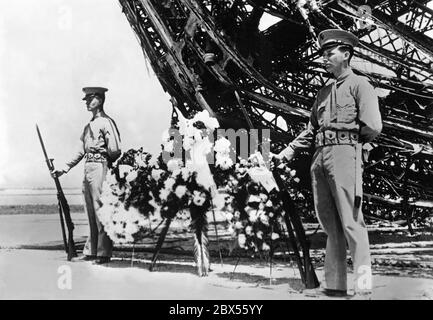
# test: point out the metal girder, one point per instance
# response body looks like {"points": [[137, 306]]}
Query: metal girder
{"points": [[400, 7], [420, 18], [175, 35], [417, 39]]}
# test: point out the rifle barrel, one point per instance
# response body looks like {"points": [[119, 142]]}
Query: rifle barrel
{"points": [[64, 211]]}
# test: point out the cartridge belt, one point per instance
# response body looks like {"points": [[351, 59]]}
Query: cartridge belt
{"points": [[95, 157], [336, 137]]}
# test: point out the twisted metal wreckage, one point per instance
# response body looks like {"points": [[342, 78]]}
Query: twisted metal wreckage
{"points": [[216, 55]]}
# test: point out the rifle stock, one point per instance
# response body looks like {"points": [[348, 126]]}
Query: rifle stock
{"points": [[64, 210]]}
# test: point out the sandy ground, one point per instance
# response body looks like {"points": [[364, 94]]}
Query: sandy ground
{"points": [[26, 229], [42, 274], [38, 274], [33, 274]]}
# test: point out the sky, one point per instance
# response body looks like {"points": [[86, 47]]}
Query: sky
{"points": [[49, 51]]}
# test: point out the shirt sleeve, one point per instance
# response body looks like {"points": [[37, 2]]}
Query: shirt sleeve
{"points": [[305, 139], [369, 113], [112, 140], [78, 154]]}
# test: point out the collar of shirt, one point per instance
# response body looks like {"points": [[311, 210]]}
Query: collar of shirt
{"points": [[344, 76], [98, 115]]}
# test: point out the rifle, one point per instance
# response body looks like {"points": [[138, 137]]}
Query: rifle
{"points": [[64, 211], [294, 225]]}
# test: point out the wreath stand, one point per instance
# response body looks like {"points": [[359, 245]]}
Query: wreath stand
{"points": [[296, 240], [201, 253], [297, 236]]}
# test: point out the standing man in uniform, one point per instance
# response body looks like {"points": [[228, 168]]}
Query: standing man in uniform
{"points": [[345, 115], [100, 147]]}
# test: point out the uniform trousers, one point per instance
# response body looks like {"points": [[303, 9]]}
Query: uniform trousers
{"points": [[98, 243], [334, 171]]}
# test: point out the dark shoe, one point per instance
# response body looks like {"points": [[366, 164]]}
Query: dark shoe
{"points": [[103, 260], [87, 258], [363, 295], [335, 293], [322, 292]]}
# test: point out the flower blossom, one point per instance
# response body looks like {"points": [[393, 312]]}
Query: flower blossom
{"points": [[275, 236], [110, 179], [140, 160], [257, 159], [153, 161], [163, 194], [224, 162], [199, 198], [253, 198], [252, 216], [210, 122], [169, 146], [264, 219], [238, 225], [169, 183], [263, 197], [156, 174], [185, 173], [174, 164], [124, 169], [222, 145], [265, 247], [229, 216], [180, 191]]}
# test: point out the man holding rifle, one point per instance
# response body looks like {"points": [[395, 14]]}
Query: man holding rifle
{"points": [[99, 146], [345, 115]]}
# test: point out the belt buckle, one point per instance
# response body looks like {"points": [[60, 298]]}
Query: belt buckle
{"points": [[97, 156], [89, 155]]}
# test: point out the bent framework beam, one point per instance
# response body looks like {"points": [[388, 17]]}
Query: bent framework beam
{"points": [[203, 51]]}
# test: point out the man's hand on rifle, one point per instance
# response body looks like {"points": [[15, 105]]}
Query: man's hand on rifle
{"points": [[57, 173]]}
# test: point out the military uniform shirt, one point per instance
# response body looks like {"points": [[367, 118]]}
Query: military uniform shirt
{"points": [[348, 103], [101, 136]]}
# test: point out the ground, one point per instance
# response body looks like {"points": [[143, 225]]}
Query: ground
{"points": [[26, 273]]}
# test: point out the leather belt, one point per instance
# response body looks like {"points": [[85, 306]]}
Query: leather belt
{"points": [[336, 137], [95, 157]]}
